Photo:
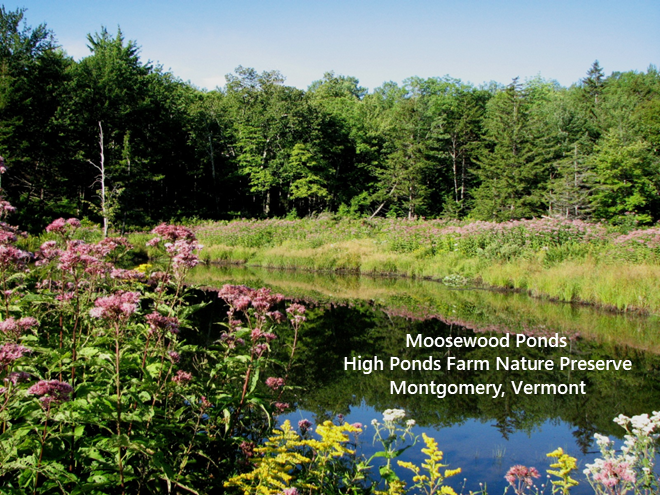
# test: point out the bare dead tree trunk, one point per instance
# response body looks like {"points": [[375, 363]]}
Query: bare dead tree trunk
{"points": [[101, 179]]}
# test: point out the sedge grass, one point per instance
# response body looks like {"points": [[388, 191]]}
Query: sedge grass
{"points": [[563, 260]]}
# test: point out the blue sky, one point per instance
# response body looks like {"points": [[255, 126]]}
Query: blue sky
{"points": [[376, 41]]}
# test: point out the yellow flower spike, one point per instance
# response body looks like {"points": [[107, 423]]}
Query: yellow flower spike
{"points": [[279, 458], [433, 481], [452, 472], [564, 465]]}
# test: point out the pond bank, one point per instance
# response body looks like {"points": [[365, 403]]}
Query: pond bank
{"points": [[570, 261], [609, 285]]}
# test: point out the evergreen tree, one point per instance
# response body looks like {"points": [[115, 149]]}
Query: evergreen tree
{"points": [[594, 82], [511, 162]]}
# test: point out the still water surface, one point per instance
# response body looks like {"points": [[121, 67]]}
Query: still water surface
{"points": [[352, 316]]}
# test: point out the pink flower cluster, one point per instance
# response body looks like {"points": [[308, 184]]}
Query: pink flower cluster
{"points": [[240, 298], [519, 476], [183, 253], [173, 233], [12, 256], [6, 208], [297, 313], [182, 245], [182, 377], [611, 472], [158, 322], [47, 253], [649, 238], [304, 425], [16, 377], [79, 254], [51, 391], [15, 328], [274, 383], [120, 306], [62, 227], [10, 353]]}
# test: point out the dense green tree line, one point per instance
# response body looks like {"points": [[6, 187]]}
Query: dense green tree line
{"points": [[259, 148]]}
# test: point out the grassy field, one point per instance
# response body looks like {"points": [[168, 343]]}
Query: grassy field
{"points": [[560, 259]]}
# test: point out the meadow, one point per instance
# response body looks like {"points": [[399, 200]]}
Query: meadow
{"points": [[565, 260], [108, 387]]}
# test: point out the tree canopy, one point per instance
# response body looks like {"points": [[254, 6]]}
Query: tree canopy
{"points": [[259, 148]]}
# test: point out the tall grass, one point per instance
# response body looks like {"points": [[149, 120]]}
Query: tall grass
{"points": [[560, 259]]}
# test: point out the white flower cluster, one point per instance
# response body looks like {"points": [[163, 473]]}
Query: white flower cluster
{"points": [[637, 459], [393, 415]]}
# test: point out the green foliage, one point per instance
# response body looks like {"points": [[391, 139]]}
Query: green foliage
{"points": [[628, 177], [105, 386], [434, 147]]}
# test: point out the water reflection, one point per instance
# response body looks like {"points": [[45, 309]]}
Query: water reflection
{"points": [[371, 317]]}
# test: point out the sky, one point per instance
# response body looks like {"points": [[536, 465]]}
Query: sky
{"points": [[376, 41]]}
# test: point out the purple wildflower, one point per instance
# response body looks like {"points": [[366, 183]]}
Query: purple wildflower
{"points": [[159, 322], [119, 306], [182, 377], [274, 383], [52, 391], [10, 353]]}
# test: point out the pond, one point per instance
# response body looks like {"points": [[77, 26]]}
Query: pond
{"points": [[496, 422]]}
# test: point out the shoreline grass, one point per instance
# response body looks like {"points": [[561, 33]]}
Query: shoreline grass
{"points": [[569, 261]]}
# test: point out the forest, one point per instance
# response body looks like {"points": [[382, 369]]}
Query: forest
{"points": [[257, 148]]}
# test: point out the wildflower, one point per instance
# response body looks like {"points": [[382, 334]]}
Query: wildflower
{"points": [[10, 353], [157, 277], [281, 406], [290, 491], [563, 467], [247, 448], [143, 267], [393, 415], [610, 472], [174, 356], [10, 326], [157, 321], [47, 252], [520, 476], [297, 312], [53, 391], [182, 252], [259, 349], [304, 425], [274, 383], [174, 232], [58, 226], [16, 377], [182, 377], [12, 256], [410, 423], [119, 306]]}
